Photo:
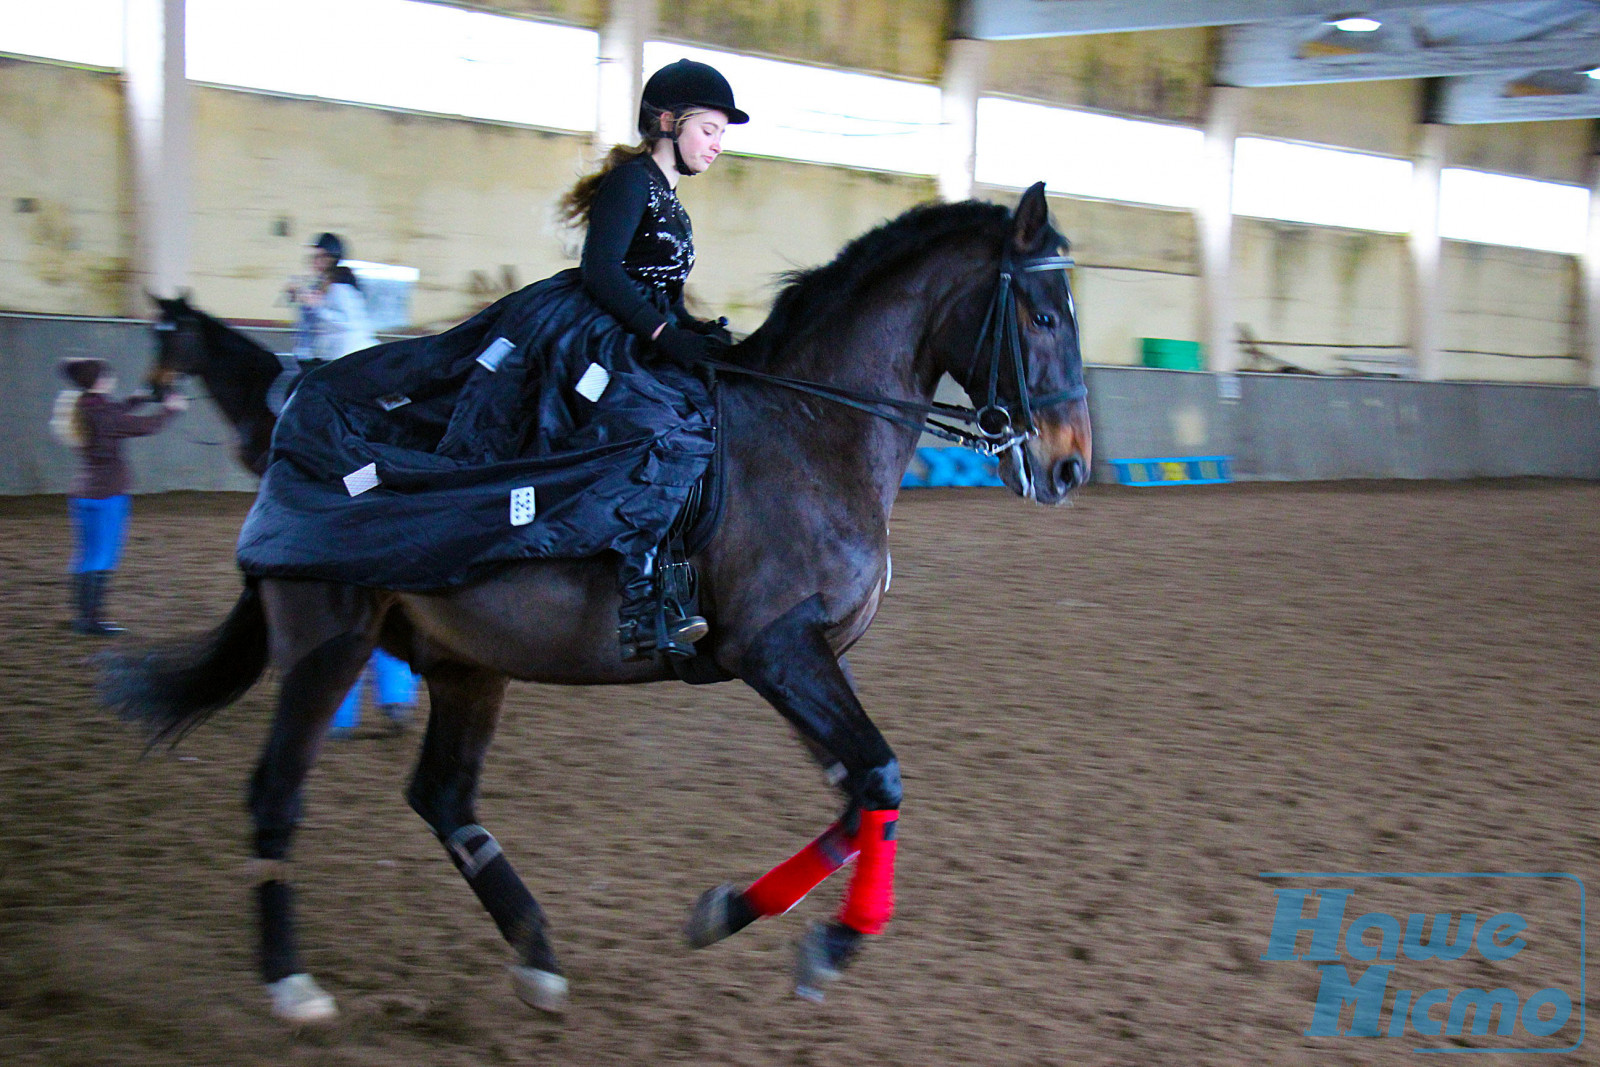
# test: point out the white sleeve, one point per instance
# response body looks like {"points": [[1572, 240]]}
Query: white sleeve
{"points": [[344, 309]]}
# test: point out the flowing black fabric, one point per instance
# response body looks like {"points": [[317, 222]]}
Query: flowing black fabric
{"points": [[450, 441]]}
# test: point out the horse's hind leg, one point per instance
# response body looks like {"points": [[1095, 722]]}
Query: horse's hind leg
{"points": [[791, 664], [465, 708], [322, 636]]}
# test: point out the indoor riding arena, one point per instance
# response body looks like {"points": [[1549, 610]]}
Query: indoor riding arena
{"points": [[1225, 514]]}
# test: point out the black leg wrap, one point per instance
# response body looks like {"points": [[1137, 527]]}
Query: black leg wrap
{"points": [[272, 843], [879, 788], [740, 913], [477, 856], [275, 906]]}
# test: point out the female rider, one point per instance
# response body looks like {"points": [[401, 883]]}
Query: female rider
{"points": [[636, 255]]}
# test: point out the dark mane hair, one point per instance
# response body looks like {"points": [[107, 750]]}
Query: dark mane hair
{"points": [[219, 333], [809, 297]]}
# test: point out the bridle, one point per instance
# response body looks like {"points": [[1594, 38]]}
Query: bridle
{"points": [[996, 428]]}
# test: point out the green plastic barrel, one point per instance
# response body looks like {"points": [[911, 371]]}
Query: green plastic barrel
{"points": [[1169, 354]]}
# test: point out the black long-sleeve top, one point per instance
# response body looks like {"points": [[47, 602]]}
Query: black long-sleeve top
{"points": [[639, 249]]}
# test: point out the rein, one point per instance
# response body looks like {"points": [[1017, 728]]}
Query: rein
{"points": [[995, 429]]}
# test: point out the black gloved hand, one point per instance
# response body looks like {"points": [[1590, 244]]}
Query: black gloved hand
{"points": [[686, 349], [717, 327]]}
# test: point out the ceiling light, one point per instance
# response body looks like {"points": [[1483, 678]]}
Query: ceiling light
{"points": [[1595, 73], [1356, 24]]}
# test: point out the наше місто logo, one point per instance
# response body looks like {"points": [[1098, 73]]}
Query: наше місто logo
{"points": [[1471, 962]]}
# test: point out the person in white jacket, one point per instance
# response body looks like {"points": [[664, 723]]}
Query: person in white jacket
{"points": [[334, 323], [333, 310]]}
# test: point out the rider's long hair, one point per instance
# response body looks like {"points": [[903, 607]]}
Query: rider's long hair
{"points": [[579, 200], [575, 206]]}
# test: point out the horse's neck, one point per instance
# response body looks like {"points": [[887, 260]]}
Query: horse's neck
{"points": [[876, 354], [238, 375]]}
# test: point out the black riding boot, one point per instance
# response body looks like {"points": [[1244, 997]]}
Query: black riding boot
{"points": [[79, 601], [647, 626], [91, 595]]}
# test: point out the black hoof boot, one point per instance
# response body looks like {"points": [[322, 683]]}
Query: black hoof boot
{"points": [[537, 980], [823, 953], [721, 911]]}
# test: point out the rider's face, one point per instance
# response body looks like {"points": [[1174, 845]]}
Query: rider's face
{"points": [[700, 138]]}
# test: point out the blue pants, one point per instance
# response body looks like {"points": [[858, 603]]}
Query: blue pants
{"points": [[392, 682], [98, 529]]}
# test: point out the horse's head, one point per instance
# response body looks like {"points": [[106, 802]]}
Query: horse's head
{"points": [[1022, 366], [180, 343]]}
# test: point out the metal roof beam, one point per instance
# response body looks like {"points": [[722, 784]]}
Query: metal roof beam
{"points": [[996, 20], [1256, 56]]}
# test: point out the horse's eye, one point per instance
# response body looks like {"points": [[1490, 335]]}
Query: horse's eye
{"points": [[1044, 320]]}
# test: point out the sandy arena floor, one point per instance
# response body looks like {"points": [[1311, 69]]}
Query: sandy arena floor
{"points": [[1113, 718]]}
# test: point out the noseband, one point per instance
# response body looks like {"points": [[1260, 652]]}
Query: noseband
{"points": [[995, 428]]}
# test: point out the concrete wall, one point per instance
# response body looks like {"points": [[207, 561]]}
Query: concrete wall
{"points": [[1305, 428], [1292, 427], [193, 452]]}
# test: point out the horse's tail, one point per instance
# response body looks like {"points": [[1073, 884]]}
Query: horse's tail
{"points": [[175, 686]]}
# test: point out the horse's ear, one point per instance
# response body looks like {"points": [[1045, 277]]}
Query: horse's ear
{"points": [[1031, 220]]}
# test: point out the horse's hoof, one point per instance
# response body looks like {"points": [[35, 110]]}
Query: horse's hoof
{"points": [[298, 999], [720, 912], [821, 956], [544, 990]]}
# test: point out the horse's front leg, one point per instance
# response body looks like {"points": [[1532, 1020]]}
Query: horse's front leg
{"points": [[791, 664], [465, 706]]}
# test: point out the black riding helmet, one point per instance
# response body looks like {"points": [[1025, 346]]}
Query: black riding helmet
{"points": [[686, 83], [331, 244]]}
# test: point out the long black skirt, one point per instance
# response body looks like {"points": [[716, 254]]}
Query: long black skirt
{"points": [[534, 430]]}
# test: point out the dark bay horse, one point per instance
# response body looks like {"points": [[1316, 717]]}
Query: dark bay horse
{"points": [[240, 375], [969, 289]]}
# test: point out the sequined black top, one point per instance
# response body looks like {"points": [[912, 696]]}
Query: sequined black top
{"points": [[639, 249]]}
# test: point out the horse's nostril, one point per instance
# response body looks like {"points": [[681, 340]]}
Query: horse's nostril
{"points": [[1070, 474]]}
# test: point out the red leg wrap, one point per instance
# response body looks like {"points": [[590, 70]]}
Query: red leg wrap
{"points": [[869, 901], [787, 884]]}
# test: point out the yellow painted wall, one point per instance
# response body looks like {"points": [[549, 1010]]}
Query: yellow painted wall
{"points": [[1515, 303], [1370, 116], [1307, 285], [64, 244], [574, 12], [1162, 74], [902, 37], [471, 204], [1553, 151]]}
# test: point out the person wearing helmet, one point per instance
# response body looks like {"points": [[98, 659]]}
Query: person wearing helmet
{"points": [[637, 253], [640, 246], [596, 366], [333, 310]]}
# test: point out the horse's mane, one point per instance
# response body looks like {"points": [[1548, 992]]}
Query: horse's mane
{"points": [[811, 298], [221, 330]]}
